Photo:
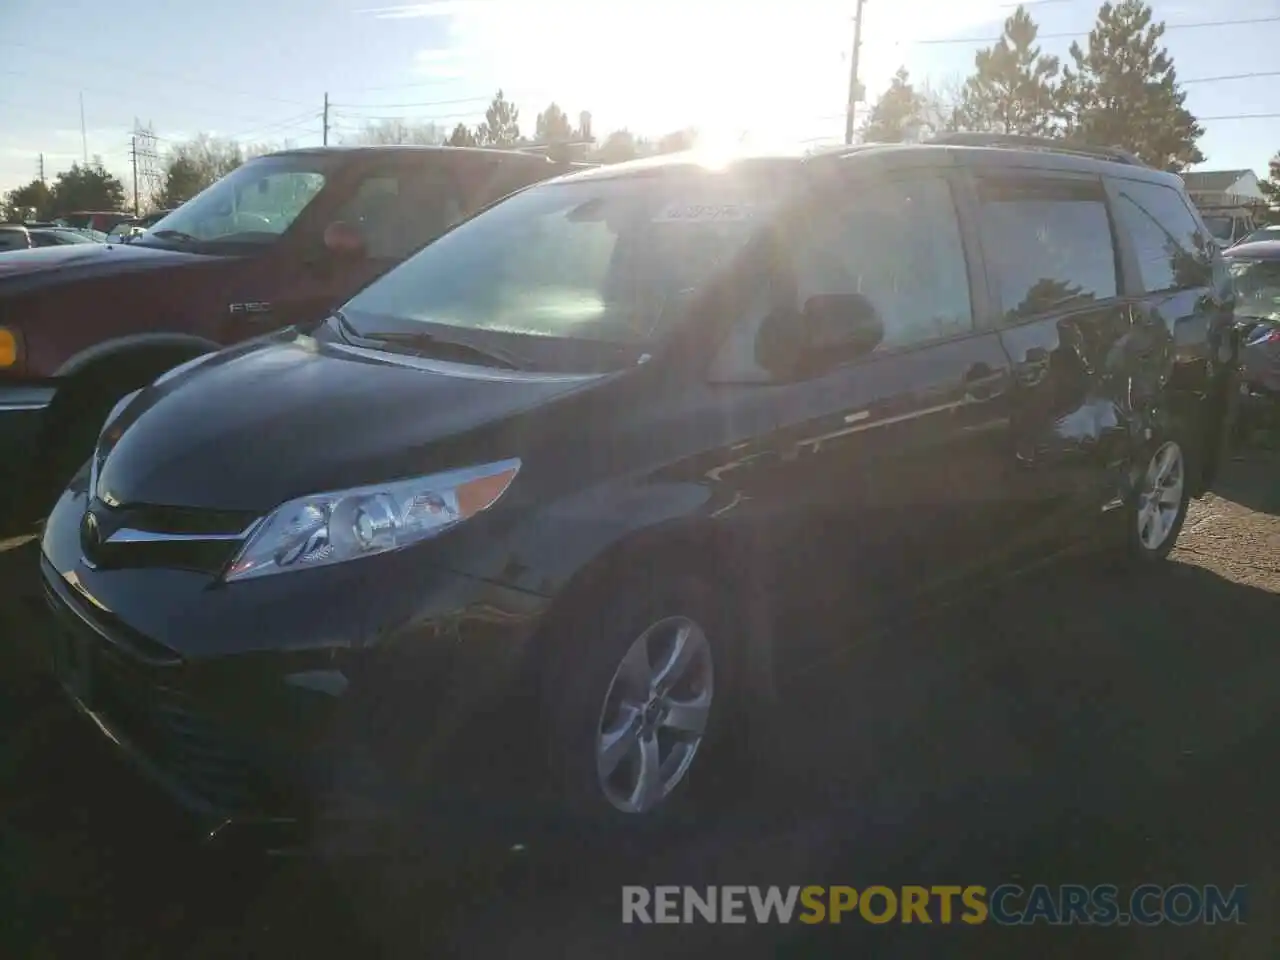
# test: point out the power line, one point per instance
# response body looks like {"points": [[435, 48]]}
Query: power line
{"points": [[284, 124], [397, 106], [1243, 116], [280, 125], [434, 118], [1077, 34], [1233, 76]]}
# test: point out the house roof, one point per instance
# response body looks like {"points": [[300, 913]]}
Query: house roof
{"points": [[1213, 179]]}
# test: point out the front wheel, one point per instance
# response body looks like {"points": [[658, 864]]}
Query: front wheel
{"points": [[637, 691], [1159, 504]]}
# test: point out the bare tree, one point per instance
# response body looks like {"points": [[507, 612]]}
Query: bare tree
{"points": [[940, 102], [392, 131]]}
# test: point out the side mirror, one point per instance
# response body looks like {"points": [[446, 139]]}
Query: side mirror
{"points": [[831, 329], [344, 240]]}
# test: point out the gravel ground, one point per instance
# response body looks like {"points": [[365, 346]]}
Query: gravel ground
{"points": [[1076, 728]]}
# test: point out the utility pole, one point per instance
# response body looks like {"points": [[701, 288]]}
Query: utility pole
{"points": [[133, 155], [326, 118], [855, 91], [42, 168], [84, 138]]}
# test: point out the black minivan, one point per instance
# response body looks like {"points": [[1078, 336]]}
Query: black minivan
{"points": [[546, 489]]}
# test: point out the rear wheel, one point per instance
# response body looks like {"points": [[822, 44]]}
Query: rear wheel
{"points": [[1159, 504]]}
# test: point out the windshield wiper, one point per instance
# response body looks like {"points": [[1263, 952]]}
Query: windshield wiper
{"points": [[430, 344], [175, 235]]}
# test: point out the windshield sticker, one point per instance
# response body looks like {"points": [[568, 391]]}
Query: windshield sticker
{"points": [[705, 213]]}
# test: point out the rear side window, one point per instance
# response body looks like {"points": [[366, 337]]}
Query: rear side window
{"points": [[1173, 253], [12, 240], [1048, 244]]}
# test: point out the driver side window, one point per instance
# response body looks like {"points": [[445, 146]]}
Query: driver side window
{"points": [[898, 244]]}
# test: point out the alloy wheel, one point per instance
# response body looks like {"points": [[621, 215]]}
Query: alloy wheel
{"points": [[1161, 496], [654, 715]]}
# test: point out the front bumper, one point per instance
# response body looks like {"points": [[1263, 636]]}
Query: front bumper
{"points": [[23, 408], [323, 704]]}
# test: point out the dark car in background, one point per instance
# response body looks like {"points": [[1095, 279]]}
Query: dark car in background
{"points": [[1255, 271], [528, 518], [280, 241], [24, 237], [14, 236]]}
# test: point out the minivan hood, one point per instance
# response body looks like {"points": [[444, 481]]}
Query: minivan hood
{"points": [[255, 426], [82, 261]]}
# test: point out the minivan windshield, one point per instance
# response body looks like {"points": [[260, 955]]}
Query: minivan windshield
{"points": [[252, 205], [601, 259]]}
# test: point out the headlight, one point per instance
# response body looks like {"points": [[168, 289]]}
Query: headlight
{"points": [[328, 528]]}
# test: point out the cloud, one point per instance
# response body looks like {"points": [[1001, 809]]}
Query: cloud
{"points": [[418, 11]]}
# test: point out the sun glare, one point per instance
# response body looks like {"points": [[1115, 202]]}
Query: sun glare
{"points": [[769, 69]]}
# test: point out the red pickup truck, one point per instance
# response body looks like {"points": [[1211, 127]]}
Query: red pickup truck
{"points": [[279, 241]]}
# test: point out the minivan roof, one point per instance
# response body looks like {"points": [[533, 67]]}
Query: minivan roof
{"points": [[890, 155], [392, 149]]}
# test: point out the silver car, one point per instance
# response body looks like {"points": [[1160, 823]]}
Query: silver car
{"points": [[1255, 271]]}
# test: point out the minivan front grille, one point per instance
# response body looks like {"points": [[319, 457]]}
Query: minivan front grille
{"points": [[158, 536]]}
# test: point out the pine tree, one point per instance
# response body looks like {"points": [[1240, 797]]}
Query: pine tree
{"points": [[462, 137], [501, 127], [1014, 89], [1123, 90], [552, 126], [898, 114]]}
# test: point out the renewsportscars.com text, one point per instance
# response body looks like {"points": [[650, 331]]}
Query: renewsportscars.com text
{"points": [[1005, 905]]}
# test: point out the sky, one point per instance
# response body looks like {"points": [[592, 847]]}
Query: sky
{"points": [[764, 70]]}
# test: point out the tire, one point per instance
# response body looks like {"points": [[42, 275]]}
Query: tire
{"points": [[1158, 505], [596, 688]]}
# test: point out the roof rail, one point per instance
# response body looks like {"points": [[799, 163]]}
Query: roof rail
{"points": [[1115, 154], [547, 145]]}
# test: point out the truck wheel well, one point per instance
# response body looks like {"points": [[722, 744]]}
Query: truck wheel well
{"points": [[81, 404], [117, 373]]}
